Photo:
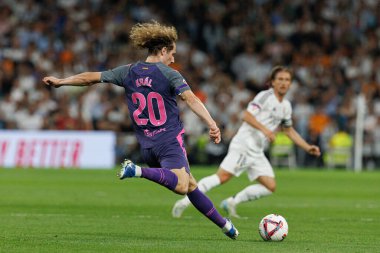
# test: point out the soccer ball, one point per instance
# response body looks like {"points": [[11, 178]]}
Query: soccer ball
{"points": [[273, 227]]}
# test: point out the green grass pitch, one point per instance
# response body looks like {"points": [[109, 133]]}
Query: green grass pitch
{"points": [[93, 211]]}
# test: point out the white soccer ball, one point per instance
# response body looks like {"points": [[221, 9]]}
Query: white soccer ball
{"points": [[273, 227]]}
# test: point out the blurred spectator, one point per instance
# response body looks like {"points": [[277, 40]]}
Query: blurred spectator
{"points": [[228, 48], [339, 150], [302, 112]]}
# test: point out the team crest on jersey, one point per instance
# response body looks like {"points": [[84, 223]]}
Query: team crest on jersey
{"points": [[144, 82]]}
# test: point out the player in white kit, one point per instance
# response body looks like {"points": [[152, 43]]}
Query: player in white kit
{"points": [[268, 111]]}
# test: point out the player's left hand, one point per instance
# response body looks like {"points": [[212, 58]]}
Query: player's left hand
{"points": [[214, 134], [314, 150]]}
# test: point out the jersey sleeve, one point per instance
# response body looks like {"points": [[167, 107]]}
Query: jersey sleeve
{"points": [[115, 76], [178, 82], [257, 104], [287, 121]]}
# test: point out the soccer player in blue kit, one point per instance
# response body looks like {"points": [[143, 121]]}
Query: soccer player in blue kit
{"points": [[151, 88]]}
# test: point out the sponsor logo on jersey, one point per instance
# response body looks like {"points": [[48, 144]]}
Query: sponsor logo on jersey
{"points": [[154, 132]]}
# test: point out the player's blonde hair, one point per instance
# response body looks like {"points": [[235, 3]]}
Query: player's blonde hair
{"points": [[153, 36], [278, 69]]}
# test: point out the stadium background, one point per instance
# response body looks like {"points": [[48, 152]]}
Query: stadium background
{"points": [[226, 49]]}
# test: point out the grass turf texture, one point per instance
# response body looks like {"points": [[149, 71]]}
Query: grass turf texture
{"points": [[92, 211]]}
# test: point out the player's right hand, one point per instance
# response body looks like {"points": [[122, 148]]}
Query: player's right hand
{"points": [[52, 81], [269, 135], [215, 134]]}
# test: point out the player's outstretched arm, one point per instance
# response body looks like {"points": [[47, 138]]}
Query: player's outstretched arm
{"points": [[199, 109], [298, 140], [82, 79]]}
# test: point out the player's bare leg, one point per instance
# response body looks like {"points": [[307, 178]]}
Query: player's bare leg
{"points": [[183, 180], [268, 182], [266, 186]]}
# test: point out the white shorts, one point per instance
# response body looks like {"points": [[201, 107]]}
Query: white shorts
{"points": [[255, 163]]}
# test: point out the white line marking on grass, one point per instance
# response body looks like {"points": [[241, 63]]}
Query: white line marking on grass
{"points": [[147, 217], [367, 206], [367, 219], [363, 219], [45, 215]]}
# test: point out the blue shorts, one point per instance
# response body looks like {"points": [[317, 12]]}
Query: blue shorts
{"points": [[169, 155]]}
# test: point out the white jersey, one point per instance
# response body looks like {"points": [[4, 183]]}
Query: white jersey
{"points": [[270, 112], [246, 151]]}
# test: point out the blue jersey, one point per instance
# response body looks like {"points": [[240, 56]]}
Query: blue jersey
{"points": [[151, 90]]}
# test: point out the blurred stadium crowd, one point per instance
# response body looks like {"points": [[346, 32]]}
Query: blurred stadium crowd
{"points": [[226, 49]]}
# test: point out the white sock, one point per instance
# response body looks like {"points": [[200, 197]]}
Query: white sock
{"points": [[204, 185], [227, 227], [207, 183], [138, 171], [251, 192]]}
